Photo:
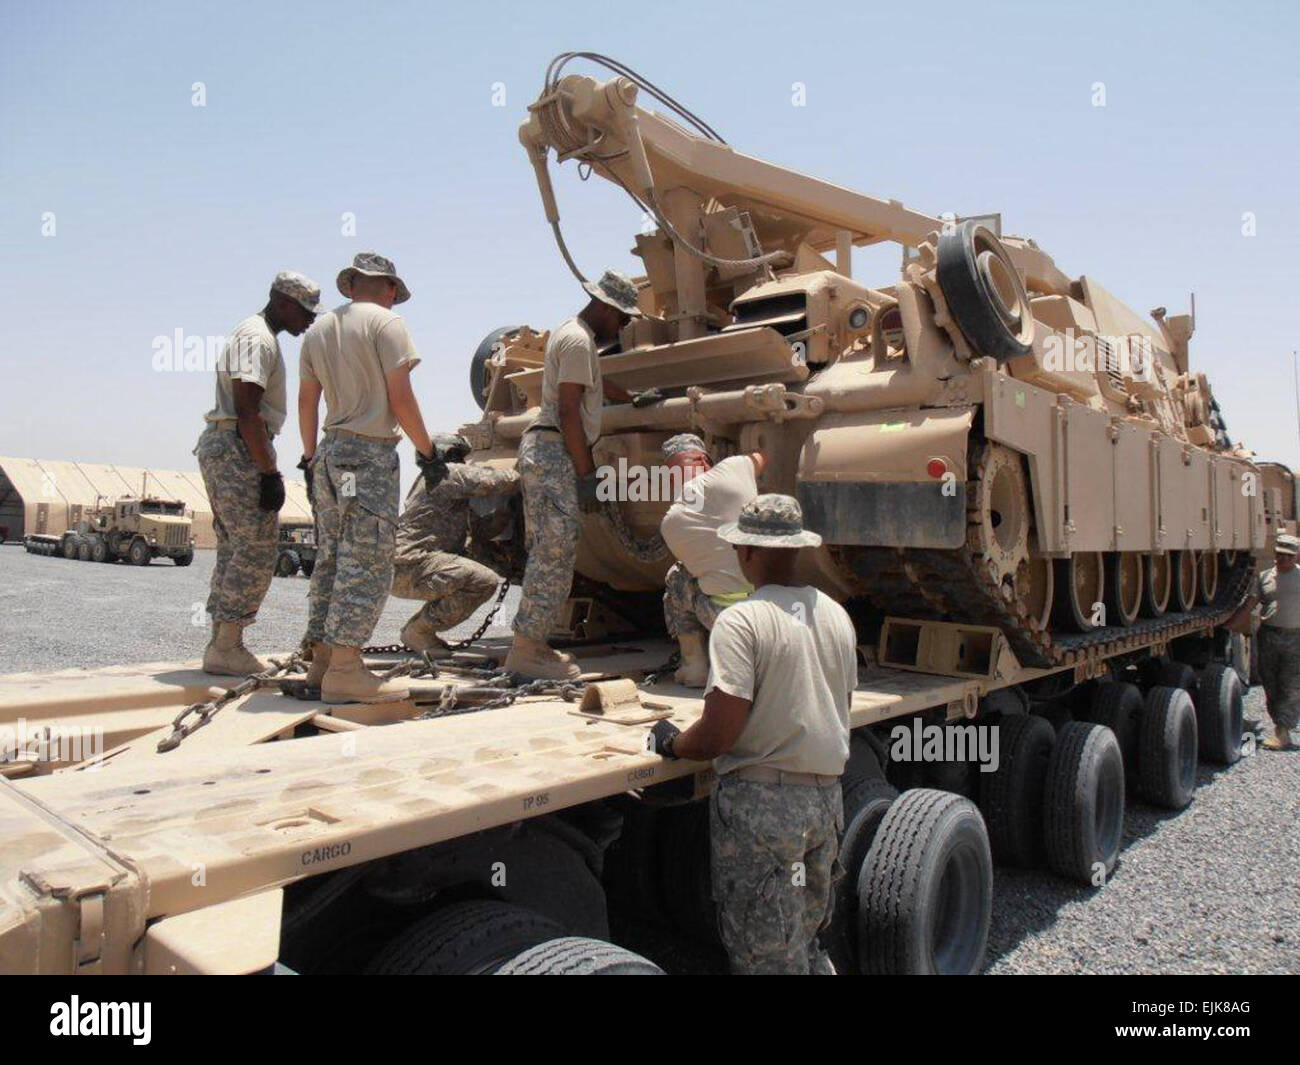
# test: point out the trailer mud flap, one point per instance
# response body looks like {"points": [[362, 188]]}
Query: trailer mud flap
{"points": [[874, 479]]}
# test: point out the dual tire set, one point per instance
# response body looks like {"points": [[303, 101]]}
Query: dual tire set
{"points": [[918, 894]]}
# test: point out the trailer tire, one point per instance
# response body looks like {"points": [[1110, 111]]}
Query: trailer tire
{"points": [[865, 805], [1219, 714], [1118, 706], [1083, 807], [69, 546], [864, 764], [1177, 675], [286, 564], [1011, 798], [83, 551], [99, 550], [1167, 761], [578, 956], [139, 553], [464, 938], [925, 891], [683, 856]]}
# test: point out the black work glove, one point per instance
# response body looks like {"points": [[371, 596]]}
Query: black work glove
{"points": [[662, 736], [649, 396], [588, 502], [433, 470], [304, 464], [270, 491]]}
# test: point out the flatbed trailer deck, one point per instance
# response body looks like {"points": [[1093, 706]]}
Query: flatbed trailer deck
{"points": [[113, 869]]}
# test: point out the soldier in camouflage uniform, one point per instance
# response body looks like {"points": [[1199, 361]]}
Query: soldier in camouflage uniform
{"points": [[359, 356], [238, 463], [557, 471], [1277, 593], [782, 669], [431, 539]]}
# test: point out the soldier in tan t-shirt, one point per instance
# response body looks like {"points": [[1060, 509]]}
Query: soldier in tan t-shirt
{"points": [[1277, 593], [706, 577], [359, 356], [557, 472], [782, 670]]}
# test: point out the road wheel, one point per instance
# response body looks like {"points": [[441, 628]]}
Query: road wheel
{"points": [[1083, 808], [1123, 587], [1207, 576], [139, 553], [865, 804], [464, 938], [984, 291], [1184, 589], [926, 888], [478, 363], [185, 559], [1157, 584], [1167, 759], [1118, 706], [286, 564], [1011, 797], [1079, 586], [1219, 714], [578, 956]]}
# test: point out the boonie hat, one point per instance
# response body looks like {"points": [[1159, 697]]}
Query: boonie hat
{"points": [[770, 520], [616, 290], [372, 264]]}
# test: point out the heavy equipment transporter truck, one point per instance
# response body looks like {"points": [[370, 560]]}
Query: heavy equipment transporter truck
{"points": [[1039, 550]]}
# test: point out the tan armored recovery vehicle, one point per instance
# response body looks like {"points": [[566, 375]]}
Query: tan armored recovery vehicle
{"points": [[483, 827], [984, 439], [136, 529]]}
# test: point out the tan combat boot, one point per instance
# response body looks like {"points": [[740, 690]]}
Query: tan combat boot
{"points": [[226, 654], [348, 681], [419, 635], [537, 661], [694, 670], [320, 662], [1280, 740]]}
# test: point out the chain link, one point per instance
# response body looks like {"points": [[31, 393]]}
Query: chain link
{"points": [[460, 645], [203, 712]]}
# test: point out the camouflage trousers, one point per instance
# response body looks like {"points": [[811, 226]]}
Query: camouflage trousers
{"points": [[686, 608], [774, 858], [552, 523], [1279, 669], [454, 586], [355, 497], [246, 534]]}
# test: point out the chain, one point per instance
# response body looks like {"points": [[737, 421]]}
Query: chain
{"points": [[449, 703], [651, 549], [460, 645], [203, 711]]}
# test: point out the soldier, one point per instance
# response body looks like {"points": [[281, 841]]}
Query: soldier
{"points": [[782, 669], [430, 540], [1278, 590], [706, 577], [557, 471], [237, 460], [360, 356]]}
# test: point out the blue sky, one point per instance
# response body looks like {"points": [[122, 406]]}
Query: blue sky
{"points": [[170, 216]]}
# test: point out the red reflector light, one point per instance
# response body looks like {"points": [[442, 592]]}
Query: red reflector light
{"points": [[936, 468]]}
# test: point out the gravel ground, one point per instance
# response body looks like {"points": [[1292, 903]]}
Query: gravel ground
{"points": [[59, 613], [1215, 889]]}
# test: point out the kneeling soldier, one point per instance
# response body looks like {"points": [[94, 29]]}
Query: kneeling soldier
{"points": [[782, 669], [431, 538]]}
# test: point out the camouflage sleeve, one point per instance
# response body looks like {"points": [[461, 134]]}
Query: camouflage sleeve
{"points": [[470, 480]]}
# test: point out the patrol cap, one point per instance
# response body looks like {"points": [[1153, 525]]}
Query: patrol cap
{"points": [[299, 288], [445, 445], [1287, 545], [682, 444], [770, 520], [615, 289]]}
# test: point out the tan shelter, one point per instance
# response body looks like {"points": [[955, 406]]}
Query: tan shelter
{"points": [[51, 495]]}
